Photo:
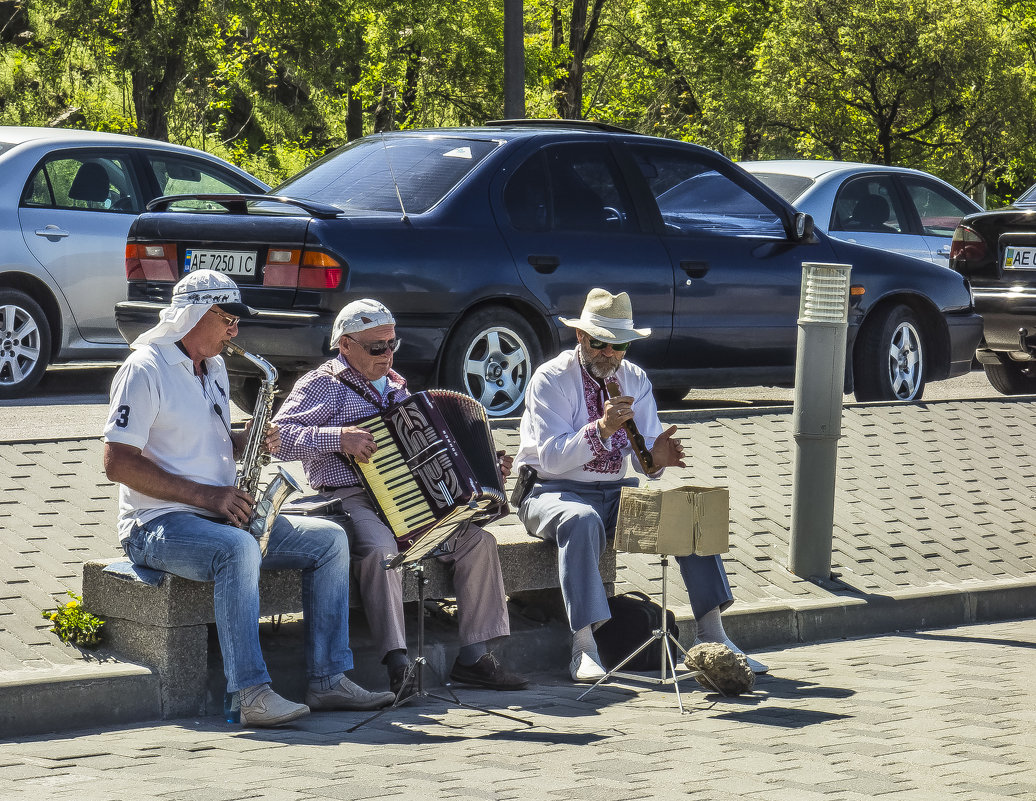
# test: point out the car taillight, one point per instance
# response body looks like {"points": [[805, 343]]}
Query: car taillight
{"points": [[967, 245], [150, 262], [319, 271], [309, 270]]}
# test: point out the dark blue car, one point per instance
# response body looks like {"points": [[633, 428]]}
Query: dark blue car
{"points": [[480, 239]]}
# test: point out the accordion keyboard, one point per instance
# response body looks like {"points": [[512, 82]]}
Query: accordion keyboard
{"points": [[393, 485]]}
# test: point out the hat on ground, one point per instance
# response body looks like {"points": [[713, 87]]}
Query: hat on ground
{"points": [[193, 295], [359, 316], [608, 317]]}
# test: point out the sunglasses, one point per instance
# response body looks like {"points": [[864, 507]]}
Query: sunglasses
{"points": [[230, 320], [618, 347], [378, 348]]}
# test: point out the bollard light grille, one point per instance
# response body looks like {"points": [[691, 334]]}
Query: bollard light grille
{"points": [[824, 297]]}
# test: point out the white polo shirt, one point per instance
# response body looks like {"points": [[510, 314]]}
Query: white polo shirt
{"points": [[160, 406]]}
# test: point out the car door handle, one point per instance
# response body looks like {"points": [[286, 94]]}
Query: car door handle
{"points": [[544, 264], [943, 251], [51, 232], [695, 269]]}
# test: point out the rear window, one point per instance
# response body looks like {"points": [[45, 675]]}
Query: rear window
{"points": [[789, 187], [1028, 197], [365, 174]]}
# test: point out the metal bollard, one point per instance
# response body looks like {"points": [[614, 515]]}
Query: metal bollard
{"points": [[819, 383]]}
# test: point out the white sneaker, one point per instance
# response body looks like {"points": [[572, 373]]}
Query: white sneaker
{"points": [[755, 665], [586, 667]]}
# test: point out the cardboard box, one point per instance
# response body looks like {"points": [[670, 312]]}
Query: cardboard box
{"points": [[676, 522]]}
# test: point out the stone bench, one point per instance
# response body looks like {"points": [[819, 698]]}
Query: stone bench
{"points": [[163, 621]]}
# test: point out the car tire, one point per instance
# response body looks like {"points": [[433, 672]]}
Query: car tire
{"points": [[491, 356], [889, 358], [24, 343], [1012, 378]]}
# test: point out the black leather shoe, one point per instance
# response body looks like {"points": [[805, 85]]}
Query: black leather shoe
{"points": [[396, 678], [489, 673]]}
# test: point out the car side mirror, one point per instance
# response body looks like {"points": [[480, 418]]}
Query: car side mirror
{"points": [[803, 226]]}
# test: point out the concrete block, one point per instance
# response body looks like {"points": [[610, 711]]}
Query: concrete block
{"points": [[179, 655]]}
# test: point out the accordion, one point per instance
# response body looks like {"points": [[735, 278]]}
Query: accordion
{"points": [[435, 469]]}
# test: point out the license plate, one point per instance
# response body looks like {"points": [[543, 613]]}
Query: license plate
{"points": [[1019, 258], [233, 262]]}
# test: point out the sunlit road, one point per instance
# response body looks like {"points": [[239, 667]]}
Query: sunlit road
{"points": [[72, 401]]}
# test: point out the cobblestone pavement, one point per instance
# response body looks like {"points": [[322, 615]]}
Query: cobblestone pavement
{"points": [[926, 716]]}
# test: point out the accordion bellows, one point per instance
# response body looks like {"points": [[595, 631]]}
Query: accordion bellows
{"points": [[435, 469]]}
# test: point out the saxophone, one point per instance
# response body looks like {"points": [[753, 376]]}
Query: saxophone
{"points": [[255, 458]]}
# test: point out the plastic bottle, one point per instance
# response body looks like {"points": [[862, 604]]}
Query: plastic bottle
{"points": [[232, 707]]}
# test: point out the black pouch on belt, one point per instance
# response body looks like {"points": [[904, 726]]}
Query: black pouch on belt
{"points": [[522, 485]]}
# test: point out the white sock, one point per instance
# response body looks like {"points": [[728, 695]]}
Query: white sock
{"points": [[710, 627], [583, 640]]}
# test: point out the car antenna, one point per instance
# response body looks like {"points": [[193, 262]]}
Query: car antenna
{"points": [[392, 173]]}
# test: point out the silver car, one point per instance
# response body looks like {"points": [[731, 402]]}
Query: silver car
{"points": [[71, 196], [891, 208]]}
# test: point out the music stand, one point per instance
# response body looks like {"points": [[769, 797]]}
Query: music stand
{"points": [[667, 670], [415, 565]]}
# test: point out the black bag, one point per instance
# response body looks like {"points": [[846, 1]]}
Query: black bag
{"points": [[634, 617], [523, 485]]}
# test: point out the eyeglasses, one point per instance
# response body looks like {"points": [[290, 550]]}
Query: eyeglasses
{"points": [[378, 348], [618, 347], [228, 319]]}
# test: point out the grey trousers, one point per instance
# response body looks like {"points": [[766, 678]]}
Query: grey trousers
{"points": [[580, 517], [481, 602]]}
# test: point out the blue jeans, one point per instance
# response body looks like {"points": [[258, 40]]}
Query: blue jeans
{"points": [[200, 549], [580, 517]]}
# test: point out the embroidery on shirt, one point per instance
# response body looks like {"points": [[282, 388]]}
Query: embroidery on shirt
{"points": [[606, 461]]}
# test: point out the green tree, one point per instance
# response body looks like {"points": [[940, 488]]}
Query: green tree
{"points": [[892, 81]]}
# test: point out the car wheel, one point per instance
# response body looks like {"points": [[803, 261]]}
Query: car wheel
{"points": [[889, 362], [491, 357], [24, 343], [1013, 378]]}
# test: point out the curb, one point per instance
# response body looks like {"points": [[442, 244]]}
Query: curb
{"points": [[113, 693]]}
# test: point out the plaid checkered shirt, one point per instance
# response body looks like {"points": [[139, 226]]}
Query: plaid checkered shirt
{"points": [[322, 403]]}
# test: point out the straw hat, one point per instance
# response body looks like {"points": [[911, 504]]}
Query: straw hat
{"points": [[608, 317]]}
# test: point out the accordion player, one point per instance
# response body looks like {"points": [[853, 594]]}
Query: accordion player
{"points": [[434, 470]]}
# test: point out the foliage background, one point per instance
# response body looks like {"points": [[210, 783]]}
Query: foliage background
{"points": [[948, 86]]}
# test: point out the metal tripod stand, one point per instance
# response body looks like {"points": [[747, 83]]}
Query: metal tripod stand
{"points": [[420, 663], [667, 669]]}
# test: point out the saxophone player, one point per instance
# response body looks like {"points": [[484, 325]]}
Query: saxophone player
{"points": [[168, 443]]}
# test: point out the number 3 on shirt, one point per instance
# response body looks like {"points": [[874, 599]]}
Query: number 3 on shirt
{"points": [[122, 416]]}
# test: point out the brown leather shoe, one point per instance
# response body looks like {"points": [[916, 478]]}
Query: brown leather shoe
{"points": [[489, 673]]}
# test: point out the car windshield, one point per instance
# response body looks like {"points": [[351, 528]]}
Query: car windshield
{"points": [[789, 187], [366, 174], [1028, 197]]}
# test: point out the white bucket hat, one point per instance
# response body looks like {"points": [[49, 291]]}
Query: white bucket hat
{"points": [[360, 315], [193, 295], [608, 317]]}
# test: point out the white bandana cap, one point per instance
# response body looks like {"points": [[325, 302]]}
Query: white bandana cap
{"points": [[607, 317], [360, 315], [193, 296]]}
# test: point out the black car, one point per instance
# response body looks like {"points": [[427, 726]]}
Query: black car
{"points": [[480, 239], [996, 252]]}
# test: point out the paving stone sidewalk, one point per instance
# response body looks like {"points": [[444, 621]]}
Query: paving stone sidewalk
{"points": [[926, 716], [934, 524]]}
